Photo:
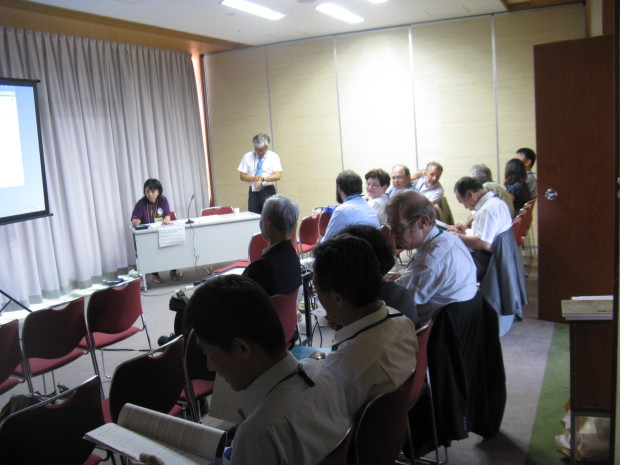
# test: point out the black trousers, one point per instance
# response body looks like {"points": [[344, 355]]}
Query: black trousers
{"points": [[256, 200], [481, 260]]}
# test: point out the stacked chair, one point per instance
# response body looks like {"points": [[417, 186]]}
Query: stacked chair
{"points": [[153, 380], [11, 355], [110, 316], [52, 431], [50, 340]]}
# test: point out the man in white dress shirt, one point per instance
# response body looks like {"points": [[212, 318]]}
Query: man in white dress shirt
{"points": [[442, 270], [260, 169], [491, 218], [377, 183], [374, 352], [294, 411]]}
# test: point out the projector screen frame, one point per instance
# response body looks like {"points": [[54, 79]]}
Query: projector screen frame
{"points": [[45, 211]]}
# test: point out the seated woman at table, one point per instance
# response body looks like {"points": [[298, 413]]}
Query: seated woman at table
{"points": [[151, 208], [515, 180]]}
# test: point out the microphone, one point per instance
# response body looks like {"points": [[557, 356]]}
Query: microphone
{"points": [[189, 221]]}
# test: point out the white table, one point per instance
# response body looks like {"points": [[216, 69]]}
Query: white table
{"points": [[210, 239]]}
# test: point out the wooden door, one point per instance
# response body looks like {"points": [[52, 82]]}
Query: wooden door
{"points": [[574, 88]]}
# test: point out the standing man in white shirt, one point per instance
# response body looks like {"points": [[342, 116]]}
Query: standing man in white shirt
{"points": [[377, 183], [261, 169]]}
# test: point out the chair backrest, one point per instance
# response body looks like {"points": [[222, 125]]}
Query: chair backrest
{"points": [[324, 218], [419, 376], [52, 431], [217, 211], [256, 247], [173, 216], [339, 455], [445, 213], [195, 360], [224, 210], [309, 230], [115, 309], [53, 333], [11, 354], [286, 308], [517, 227], [154, 380], [381, 427]]}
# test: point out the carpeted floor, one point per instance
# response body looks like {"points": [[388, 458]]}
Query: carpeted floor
{"points": [[553, 397]]}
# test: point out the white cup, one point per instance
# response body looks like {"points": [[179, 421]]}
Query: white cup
{"points": [[236, 210]]}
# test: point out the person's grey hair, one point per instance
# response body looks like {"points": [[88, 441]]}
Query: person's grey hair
{"points": [[434, 164], [411, 205], [261, 140], [481, 173], [283, 212]]}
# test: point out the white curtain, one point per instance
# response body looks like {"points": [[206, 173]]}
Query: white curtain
{"points": [[112, 115]]}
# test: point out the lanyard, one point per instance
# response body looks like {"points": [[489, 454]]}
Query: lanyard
{"points": [[299, 370], [389, 315]]}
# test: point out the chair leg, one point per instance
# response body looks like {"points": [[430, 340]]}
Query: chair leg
{"points": [[434, 423]]}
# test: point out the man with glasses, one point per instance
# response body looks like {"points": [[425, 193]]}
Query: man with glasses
{"points": [[442, 270], [377, 183]]}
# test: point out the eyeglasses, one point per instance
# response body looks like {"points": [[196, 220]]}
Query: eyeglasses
{"points": [[399, 228], [369, 184]]}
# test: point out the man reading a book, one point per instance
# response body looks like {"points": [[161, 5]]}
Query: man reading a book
{"points": [[294, 411]]}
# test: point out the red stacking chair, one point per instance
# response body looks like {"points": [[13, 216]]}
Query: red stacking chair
{"points": [[308, 234], [50, 340], [52, 431], [255, 251], [154, 380], [216, 211], [200, 379], [324, 218], [420, 383], [286, 308], [11, 355], [339, 455], [110, 316], [380, 430], [517, 226]]}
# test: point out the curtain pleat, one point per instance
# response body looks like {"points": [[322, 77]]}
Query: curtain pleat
{"points": [[112, 115]]}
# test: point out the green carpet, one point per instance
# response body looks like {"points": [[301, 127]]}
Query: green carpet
{"points": [[554, 394]]}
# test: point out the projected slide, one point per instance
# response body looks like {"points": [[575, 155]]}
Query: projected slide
{"points": [[23, 193], [12, 173]]}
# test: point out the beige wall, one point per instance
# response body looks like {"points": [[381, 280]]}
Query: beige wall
{"points": [[459, 92]]}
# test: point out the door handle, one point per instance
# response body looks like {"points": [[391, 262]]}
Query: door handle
{"points": [[551, 194]]}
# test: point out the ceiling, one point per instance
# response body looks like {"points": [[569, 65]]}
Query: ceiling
{"points": [[209, 18]]}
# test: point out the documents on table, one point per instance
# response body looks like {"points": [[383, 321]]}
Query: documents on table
{"points": [[597, 307], [171, 235]]}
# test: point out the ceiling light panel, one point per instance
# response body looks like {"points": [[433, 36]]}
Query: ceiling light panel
{"points": [[254, 9], [338, 12]]}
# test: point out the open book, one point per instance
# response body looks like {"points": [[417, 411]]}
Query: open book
{"points": [[173, 440]]}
